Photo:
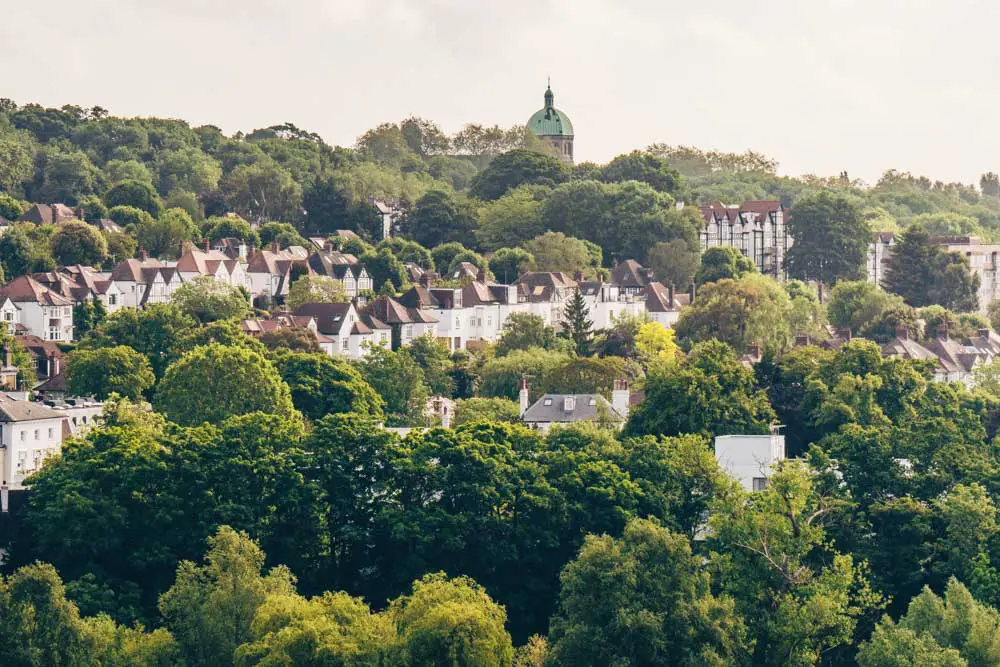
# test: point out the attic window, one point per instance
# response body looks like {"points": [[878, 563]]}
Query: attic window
{"points": [[547, 401], [538, 290], [593, 401]]}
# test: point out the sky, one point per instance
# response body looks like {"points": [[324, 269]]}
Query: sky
{"points": [[820, 85]]}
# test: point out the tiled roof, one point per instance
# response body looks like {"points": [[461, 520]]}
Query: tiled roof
{"points": [[24, 289], [551, 408], [629, 274], [329, 316]]}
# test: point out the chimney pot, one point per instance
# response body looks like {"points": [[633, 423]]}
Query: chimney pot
{"points": [[942, 331], [670, 295], [902, 332], [208, 245], [984, 333]]}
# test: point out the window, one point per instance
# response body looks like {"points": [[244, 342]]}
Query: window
{"points": [[759, 483], [24, 436], [36, 434], [547, 401], [50, 433], [345, 344], [112, 299]]}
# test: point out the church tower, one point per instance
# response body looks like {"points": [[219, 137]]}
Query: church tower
{"points": [[553, 125]]}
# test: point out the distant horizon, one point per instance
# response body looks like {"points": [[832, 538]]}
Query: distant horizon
{"points": [[813, 87]]}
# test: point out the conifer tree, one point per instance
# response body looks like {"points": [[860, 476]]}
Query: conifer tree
{"points": [[576, 325]]}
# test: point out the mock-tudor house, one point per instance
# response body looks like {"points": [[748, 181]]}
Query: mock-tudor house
{"points": [[50, 214], [271, 272], [631, 278], [445, 303], [390, 214], [879, 250], [80, 283], [546, 292], [405, 323], [46, 355], [904, 347], [350, 331], [40, 311], [10, 315], [29, 433], [956, 360], [487, 307], [756, 228], [567, 409], [233, 248], [343, 267], [607, 302], [143, 281], [195, 262]]}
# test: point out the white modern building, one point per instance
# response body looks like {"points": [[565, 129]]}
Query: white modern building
{"points": [[750, 459]]}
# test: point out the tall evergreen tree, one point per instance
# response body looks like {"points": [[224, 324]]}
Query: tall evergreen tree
{"points": [[924, 274], [576, 325]]}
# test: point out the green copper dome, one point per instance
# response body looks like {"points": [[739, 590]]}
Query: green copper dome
{"points": [[549, 121]]}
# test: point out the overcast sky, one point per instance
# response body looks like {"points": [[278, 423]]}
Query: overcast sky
{"points": [[822, 86]]}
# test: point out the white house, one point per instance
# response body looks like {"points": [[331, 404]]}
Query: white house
{"points": [[29, 433], [750, 459], [566, 409], [39, 310]]}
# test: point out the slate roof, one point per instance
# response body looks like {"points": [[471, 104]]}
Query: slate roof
{"points": [[13, 410], [629, 274], [329, 316], [541, 286], [550, 408]]}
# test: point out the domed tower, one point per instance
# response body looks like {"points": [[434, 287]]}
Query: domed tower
{"points": [[553, 125]]}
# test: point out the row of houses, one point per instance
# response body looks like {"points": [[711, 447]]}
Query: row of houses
{"points": [[475, 314]]}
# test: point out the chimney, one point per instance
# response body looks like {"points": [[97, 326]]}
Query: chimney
{"points": [[275, 247], [80, 213], [620, 397], [984, 333], [578, 276], [481, 276], [843, 333], [691, 293], [445, 416], [328, 245], [523, 395], [902, 332], [53, 365], [670, 295], [425, 279], [942, 331], [143, 255], [208, 245]]}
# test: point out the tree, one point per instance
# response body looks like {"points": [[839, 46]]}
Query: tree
{"points": [[674, 263], [576, 325], [282, 233], [210, 608], [830, 239], [989, 184], [262, 192], [709, 393], [452, 621], [799, 596], [137, 194], [514, 168], [22, 252], [230, 227], [109, 370], [471, 410], [164, 236], [208, 300], [87, 315], [441, 217], [127, 216], [501, 377], [751, 310], [399, 380], [187, 169], [66, 176], [213, 382], [121, 246], [723, 262], [512, 219], [654, 343], [444, 255], [645, 167], [295, 339], [10, 208], [435, 362], [154, 331], [949, 630], [509, 263], [924, 274], [16, 166], [642, 599], [424, 137], [522, 331], [554, 251], [322, 385], [384, 267], [78, 243], [315, 289]]}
